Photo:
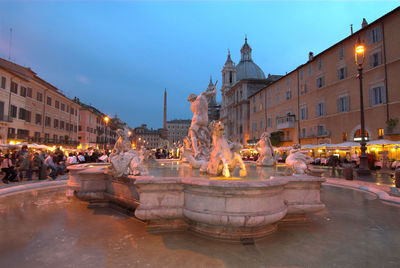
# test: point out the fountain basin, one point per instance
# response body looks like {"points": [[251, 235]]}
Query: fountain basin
{"points": [[221, 208]]}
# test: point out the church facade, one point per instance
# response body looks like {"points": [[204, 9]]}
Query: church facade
{"points": [[238, 83]]}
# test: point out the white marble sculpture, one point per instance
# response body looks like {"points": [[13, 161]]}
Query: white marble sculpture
{"points": [[223, 159], [124, 161], [265, 150], [298, 161], [198, 132]]}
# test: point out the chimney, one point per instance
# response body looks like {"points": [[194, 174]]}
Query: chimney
{"points": [[351, 28], [310, 56], [364, 23]]}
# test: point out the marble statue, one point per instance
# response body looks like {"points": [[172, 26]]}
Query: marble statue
{"points": [[198, 131], [223, 157], [265, 150], [298, 161], [124, 161]]}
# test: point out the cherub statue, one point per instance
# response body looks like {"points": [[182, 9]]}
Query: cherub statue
{"points": [[264, 148]]}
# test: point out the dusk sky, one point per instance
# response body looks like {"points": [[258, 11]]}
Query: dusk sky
{"points": [[119, 56]]}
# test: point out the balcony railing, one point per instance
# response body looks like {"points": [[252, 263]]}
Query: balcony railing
{"points": [[285, 122], [6, 118], [324, 133]]}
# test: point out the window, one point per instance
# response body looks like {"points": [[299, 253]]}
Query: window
{"points": [[38, 119], [57, 104], [67, 108], [14, 87], [55, 125], [48, 100], [310, 69], [277, 99], [62, 107], [39, 96], [254, 126], [261, 95], [27, 116], [261, 107], [46, 136], [21, 114], [343, 104], [288, 81], [344, 136], [321, 130], [301, 74], [269, 122], [61, 124], [277, 87], [303, 132], [342, 73], [29, 92], [381, 132], [3, 82], [55, 138], [37, 134], [23, 91], [374, 35], [288, 95], [320, 82], [303, 89], [13, 111], [375, 59], [47, 121], [341, 52], [319, 63], [303, 113], [376, 96], [320, 109]]}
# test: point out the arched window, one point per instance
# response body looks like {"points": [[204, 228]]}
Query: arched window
{"points": [[357, 135]]}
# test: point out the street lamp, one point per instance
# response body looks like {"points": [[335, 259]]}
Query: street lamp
{"points": [[106, 119], [363, 169]]}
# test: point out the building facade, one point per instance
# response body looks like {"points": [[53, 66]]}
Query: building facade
{"points": [[319, 102], [238, 83], [178, 129], [148, 138], [33, 110]]}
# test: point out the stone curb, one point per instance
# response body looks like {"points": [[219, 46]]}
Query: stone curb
{"points": [[31, 186], [383, 196]]}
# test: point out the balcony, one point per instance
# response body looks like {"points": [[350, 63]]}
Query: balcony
{"points": [[324, 133], [285, 122]]}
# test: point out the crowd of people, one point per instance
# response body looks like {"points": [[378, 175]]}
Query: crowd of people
{"points": [[23, 164]]}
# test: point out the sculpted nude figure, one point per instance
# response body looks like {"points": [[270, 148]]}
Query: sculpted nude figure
{"points": [[198, 131]]}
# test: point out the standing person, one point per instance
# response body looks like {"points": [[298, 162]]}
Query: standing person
{"points": [[50, 164], [8, 167], [24, 164], [38, 164], [81, 158]]}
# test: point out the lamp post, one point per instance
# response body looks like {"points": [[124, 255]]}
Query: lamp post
{"points": [[363, 169], [106, 119]]}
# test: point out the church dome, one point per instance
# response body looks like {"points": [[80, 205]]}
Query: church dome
{"points": [[246, 68]]}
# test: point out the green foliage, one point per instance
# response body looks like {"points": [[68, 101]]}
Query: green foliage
{"points": [[392, 122], [276, 138]]}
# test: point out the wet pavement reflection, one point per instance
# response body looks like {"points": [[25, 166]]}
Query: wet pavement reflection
{"points": [[47, 229]]}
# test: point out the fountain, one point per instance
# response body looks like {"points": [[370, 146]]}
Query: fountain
{"points": [[213, 203]]}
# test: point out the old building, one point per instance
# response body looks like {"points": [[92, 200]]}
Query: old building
{"points": [[96, 129], [149, 138], [177, 130], [319, 102], [33, 110], [238, 83]]}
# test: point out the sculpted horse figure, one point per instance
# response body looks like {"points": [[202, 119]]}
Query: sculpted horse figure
{"points": [[223, 157], [298, 161]]}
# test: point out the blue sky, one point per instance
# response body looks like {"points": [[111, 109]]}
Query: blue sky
{"points": [[119, 56]]}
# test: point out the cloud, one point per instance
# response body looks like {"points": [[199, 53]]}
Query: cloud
{"points": [[83, 79]]}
